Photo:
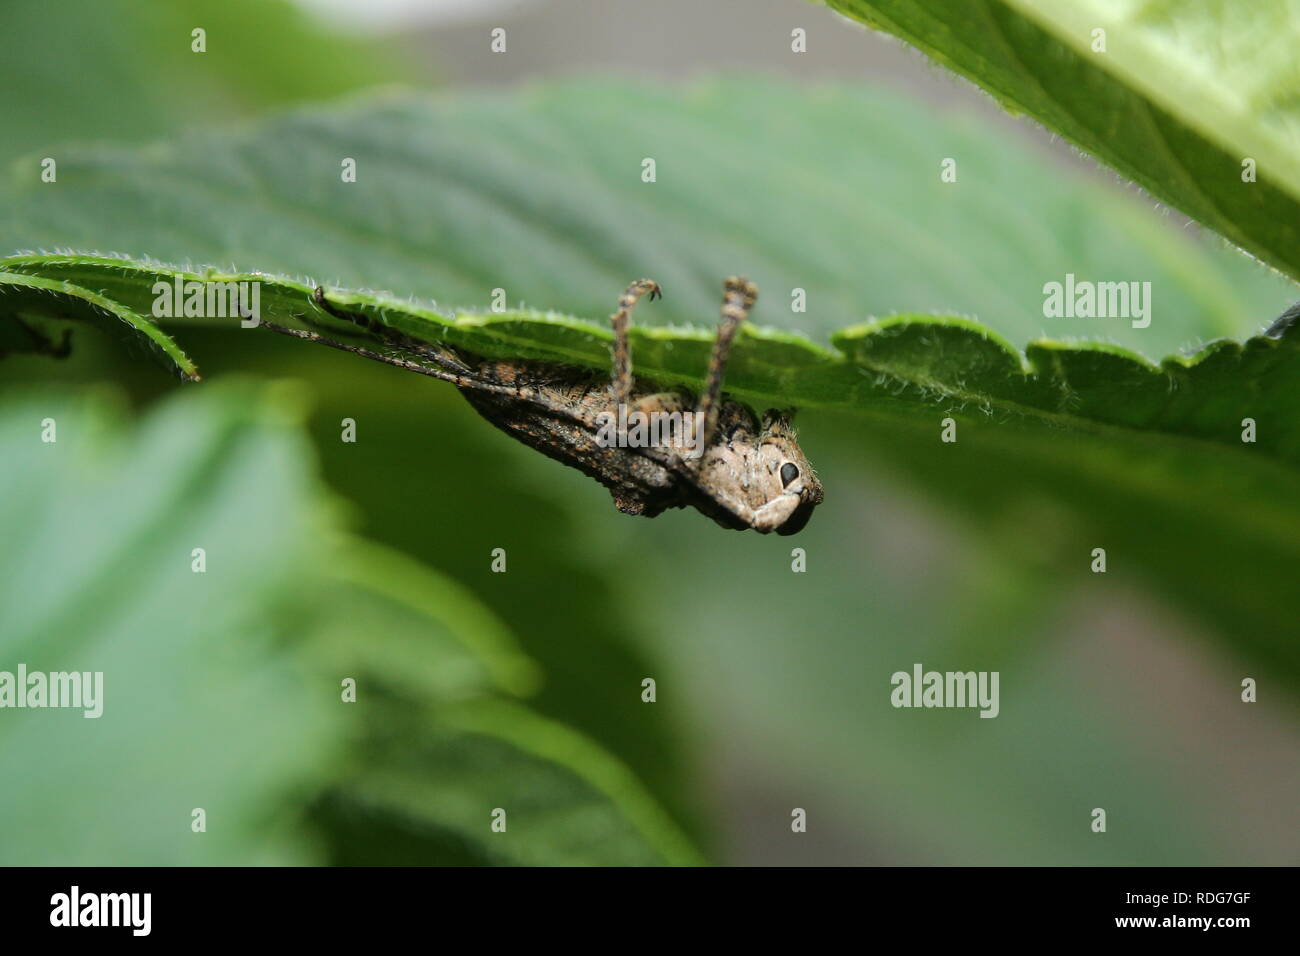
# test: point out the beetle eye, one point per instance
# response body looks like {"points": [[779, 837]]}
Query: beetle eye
{"points": [[788, 473]]}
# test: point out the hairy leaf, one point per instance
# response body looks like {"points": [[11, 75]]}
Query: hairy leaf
{"points": [[1195, 102], [541, 195], [905, 363]]}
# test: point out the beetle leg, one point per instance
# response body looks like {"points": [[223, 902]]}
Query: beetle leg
{"points": [[621, 384], [738, 298]]}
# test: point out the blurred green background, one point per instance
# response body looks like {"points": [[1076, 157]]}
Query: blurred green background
{"points": [[773, 687]]}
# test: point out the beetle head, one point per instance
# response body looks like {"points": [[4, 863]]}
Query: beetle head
{"points": [[758, 477]]}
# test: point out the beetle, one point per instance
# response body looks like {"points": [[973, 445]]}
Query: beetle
{"points": [[741, 469]]}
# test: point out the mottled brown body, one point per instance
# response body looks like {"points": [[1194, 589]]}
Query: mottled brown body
{"points": [[640, 484], [747, 472]]}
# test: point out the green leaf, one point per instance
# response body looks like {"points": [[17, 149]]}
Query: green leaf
{"points": [[541, 195], [441, 752], [38, 297], [1180, 96], [481, 653], [79, 66], [437, 778], [902, 365], [204, 702], [221, 689]]}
